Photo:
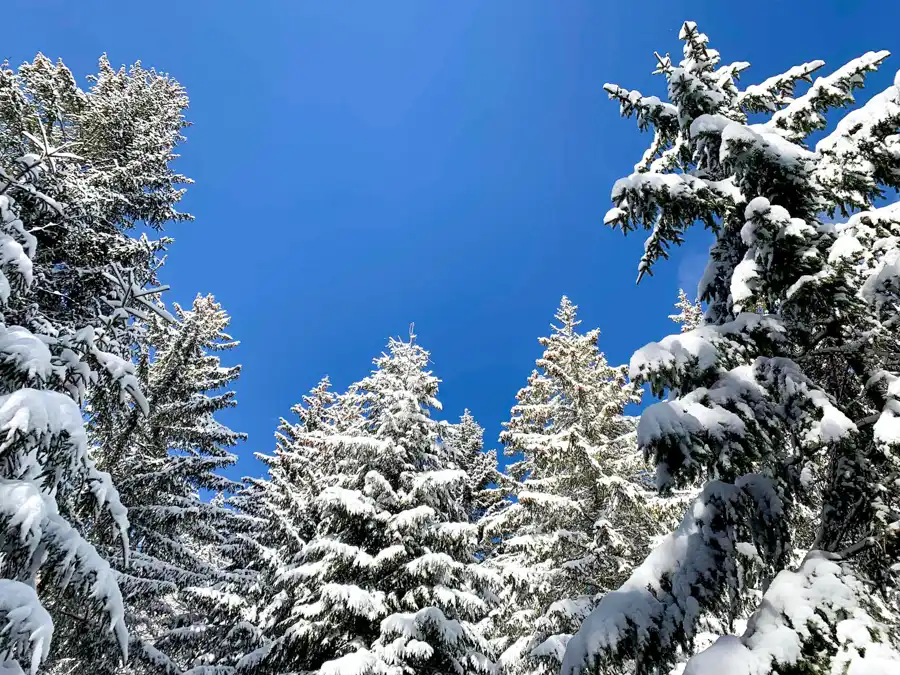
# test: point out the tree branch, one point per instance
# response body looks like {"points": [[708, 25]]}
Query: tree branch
{"points": [[869, 542]]}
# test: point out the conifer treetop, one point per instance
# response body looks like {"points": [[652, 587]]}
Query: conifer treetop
{"points": [[582, 513], [386, 578], [690, 313]]}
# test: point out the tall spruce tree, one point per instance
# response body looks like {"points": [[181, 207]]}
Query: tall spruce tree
{"points": [[53, 582], [214, 624], [791, 403], [389, 581], [583, 514], [283, 502], [488, 487], [79, 168], [163, 462]]}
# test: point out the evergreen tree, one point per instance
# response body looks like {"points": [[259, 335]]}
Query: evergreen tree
{"points": [[690, 314], [162, 462], [389, 581], [51, 577], [284, 501], [582, 514], [93, 165], [791, 403], [297, 470], [488, 488]]}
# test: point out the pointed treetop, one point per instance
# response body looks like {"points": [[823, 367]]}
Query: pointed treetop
{"points": [[690, 314], [567, 315], [312, 412], [402, 351], [469, 433]]}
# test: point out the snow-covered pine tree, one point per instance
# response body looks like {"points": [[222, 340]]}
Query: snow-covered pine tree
{"points": [[768, 407], [489, 487], [162, 462], [284, 501], [389, 582], [108, 150], [690, 313], [296, 471], [216, 621], [583, 514], [53, 582]]}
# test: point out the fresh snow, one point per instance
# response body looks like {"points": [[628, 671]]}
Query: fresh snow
{"points": [[25, 622]]}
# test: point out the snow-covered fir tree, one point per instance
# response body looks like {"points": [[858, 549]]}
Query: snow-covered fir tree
{"points": [[53, 582], [583, 513], [162, 462], [297, 469], [104, 167], [690, 313], [108, 151], [489, 487], [283, 502], [389, 582], [794, 402]]}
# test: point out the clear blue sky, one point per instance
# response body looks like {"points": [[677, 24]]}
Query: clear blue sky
{"points": [[361, 165]]}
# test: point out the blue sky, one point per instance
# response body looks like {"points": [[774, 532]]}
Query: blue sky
{"points": [[361, 165]]}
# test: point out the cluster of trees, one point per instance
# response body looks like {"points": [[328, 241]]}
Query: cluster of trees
{"points": [[385, 541]]}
